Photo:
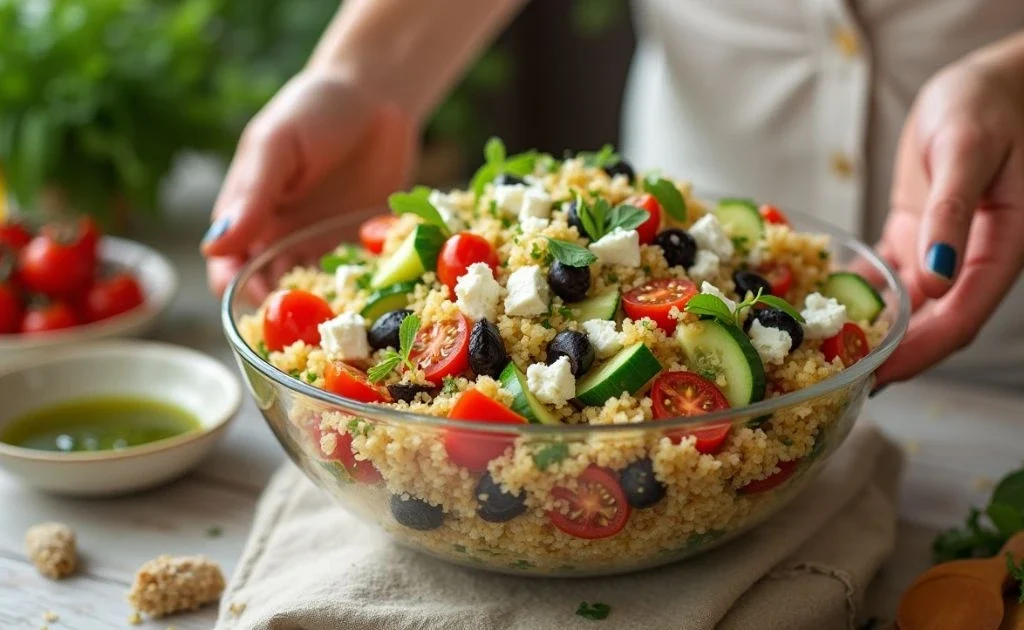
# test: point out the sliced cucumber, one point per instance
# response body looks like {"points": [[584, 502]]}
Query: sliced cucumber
{"points": [[415, 256], [603, 306], [386, 300], [861, 300], [741, 221], [628, 371], [523, 401], [711, 346]]}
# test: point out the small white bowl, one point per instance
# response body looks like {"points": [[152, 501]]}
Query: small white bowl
{"points": [[188, 379], [159, 283]]}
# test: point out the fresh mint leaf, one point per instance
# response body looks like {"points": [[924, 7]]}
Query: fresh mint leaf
{"points": [[1017, 573], [978, 538], [668, 196], [344, 255], [605, 156], [626, 217], [359, 426], [415, 203], [483, 176], [550, 454], [449, 385], [262, 350], [1007, 519], [782, 305], [570, 254], [592, 224], [707, 305], [1010, 491], [595, 612], [521, 164], [407, 338], [494, 151], [384, 367]]}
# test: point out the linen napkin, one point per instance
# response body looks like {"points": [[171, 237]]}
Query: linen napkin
{"points": [[310, 565]]}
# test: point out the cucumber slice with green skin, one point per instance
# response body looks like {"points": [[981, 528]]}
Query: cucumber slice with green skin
{"points": [[603, 306], [741, 220], [628, 371], [861, 300], [415, 256], [386, 300], [523, 401], [712, 346]]}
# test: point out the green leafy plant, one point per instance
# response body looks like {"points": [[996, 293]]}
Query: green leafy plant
{"points": [[595, 612], [599, 218], [986, 531], [417, 202], [707, 305], [570, 254]]}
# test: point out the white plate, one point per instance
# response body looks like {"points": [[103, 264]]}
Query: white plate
{"points": [[159, 283], [188, 379]]}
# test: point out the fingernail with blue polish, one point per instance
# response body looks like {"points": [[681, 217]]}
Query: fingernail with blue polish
{"points": [[941, 260], [217, 230]]}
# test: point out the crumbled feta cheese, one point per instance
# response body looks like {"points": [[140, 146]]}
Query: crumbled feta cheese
{"points": [[708, 233], [771, 343], [757, 254], [553, 384], [447, 209], [536, 203], [345, 277], [705, 265], [528, 292], [532, 225], [344, 337], [618, 247], [603, 336], [823, 317], [710, 289], [509, 198], [478, 293]]}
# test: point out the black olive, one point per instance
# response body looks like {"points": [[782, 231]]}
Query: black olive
{"points": [[678, 246], [487, 355], [406, 392], [642, 489], [416, 513], [569, 283], [384, 332], [574, 345], [504, 179], [774, 318], [621, 167], [494, 505], [572, 217], [750, 282]]}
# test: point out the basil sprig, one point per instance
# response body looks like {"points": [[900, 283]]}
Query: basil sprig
{"points": [[668, 196], [497, 161], [417, 202], [570, 254], [599, 218], [707, 305]]}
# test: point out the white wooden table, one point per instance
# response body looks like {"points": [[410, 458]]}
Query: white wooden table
{"points": [[958, 441]]}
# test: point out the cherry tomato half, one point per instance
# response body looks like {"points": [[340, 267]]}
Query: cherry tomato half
{"points": [[10, 309], [442, 349], [849, 344], [474, 449], [344, 380], [656, 298], [649, 228], [292, 315], [596, 509], [786, 470], [374, 232], [14, 235], [362, 470], [56, 268], [461, 251], [112, 296], [773, 215], [779, 275], [48, 317], [676, 394]]}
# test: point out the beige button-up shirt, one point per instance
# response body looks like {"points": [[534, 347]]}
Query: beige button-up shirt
{"points": [[801, 102]]}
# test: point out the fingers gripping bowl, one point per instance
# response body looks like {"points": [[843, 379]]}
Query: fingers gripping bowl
{"points": [[684, 426]]}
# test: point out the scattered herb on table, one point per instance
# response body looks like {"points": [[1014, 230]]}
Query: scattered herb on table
{"points": [[406, 338], [986, 531], [594, 612], [1017, 573]]}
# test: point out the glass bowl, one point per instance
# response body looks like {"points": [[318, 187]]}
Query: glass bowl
{"points": [[391, 467]]}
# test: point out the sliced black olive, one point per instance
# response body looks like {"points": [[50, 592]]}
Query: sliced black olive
{"points": [[494, 505], [641, 487], [678, 246], [750, 282], [487, 354], [574, 345], [407, 391], [569, 283], [416, 513], [774, 318], [504, 179], [384, 332], [622, 167]]}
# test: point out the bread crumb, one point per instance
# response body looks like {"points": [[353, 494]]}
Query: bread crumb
{"points": [[135, 618], [236, 609], [52, 549], [50, 616], [168, 585]]}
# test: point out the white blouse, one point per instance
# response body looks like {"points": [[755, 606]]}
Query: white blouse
{"points": [[801, 102]]}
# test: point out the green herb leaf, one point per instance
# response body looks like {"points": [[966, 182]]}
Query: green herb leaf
{"points": [[384, 367], [1007, 519], [782, 305], [310, 377], [494, 151], [262, 350], [569, 253], [626, 217], [416, 203], [707, 305], [483, 176], [605, 156], [550, 454], [668, 196], [359, 426], [593, 225], [595, 612], [407, 338], [1017, 573], [521, 164], [449, 385], [979, 539], [1011, 491], [344, 255]]}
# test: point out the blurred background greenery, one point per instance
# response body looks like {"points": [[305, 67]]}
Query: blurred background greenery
{"points": [[99, 97]]}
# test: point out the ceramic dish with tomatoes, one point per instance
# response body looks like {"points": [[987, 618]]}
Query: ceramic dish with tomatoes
{"points": [[568, 369]]}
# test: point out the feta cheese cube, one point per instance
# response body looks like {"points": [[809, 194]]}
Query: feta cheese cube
{"points": [[528, 292], [773, 344], [532, 225], [344, 337], [705, 265], [618, 247], [345, 277], [552, 384], [509, 198], [478, 293], [603, 336], [447, 209], [757, 254], [536, 203], [708, 233], [710, 289], [823, 317]]}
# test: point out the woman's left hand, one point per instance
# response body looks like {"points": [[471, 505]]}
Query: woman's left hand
{"points": [[955, 231]]}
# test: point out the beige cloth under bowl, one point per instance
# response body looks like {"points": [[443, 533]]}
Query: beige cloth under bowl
{"points": [[310, 565]]}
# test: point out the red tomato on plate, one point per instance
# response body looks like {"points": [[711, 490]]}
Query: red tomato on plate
{"points": [[344, 380], [786, 470], [442, 349], [656, 299], [677, 394], [292, 315], [773, 215], [597, 508], [474, 449], [374, 232], [849, 344], [56, 267], [649, 228], [112, 296], [461, 251], [48, 317], [779, 275]]}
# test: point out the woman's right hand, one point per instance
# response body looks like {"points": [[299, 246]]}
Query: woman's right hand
{"points": [[320, 147]]}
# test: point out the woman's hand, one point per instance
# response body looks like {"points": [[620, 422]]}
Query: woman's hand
{"points": [[955, 232], [321, 146]]}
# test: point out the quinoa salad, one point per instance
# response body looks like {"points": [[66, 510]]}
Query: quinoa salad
{"points": [[568, 292]]}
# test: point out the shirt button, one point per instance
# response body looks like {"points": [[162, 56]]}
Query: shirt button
{"points": [[842, 165], [846, 41]]}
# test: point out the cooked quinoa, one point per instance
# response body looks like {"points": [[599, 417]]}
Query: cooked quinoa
{"points": [[167, 585], [52, 549], [459, 500]]}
